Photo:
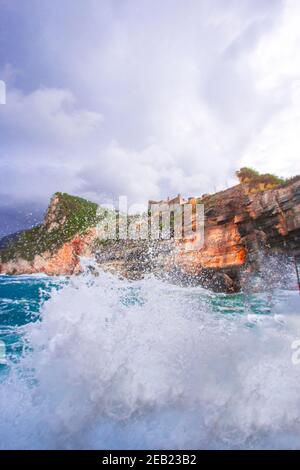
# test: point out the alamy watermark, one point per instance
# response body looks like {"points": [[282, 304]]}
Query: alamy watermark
{"points": [[296, 354], [163, 220], [2, 92], [2, 353]]}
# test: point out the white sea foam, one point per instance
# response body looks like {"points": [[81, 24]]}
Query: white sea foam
{"points": [[118, 364]]}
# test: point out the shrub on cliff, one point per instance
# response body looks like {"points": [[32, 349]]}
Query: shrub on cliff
{"points": [[254, 178], [246, 173]]}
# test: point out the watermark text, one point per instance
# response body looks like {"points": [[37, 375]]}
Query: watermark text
{"points": [[2, 92]]}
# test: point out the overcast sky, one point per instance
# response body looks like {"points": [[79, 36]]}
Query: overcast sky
{"points": [[143, 98]]}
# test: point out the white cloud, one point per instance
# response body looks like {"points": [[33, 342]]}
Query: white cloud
{"points": [[149, 100], [44, 138], [276, 65], [47, 114]]}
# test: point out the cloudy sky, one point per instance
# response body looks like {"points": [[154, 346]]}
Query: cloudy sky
{"points": [[143, 98]]}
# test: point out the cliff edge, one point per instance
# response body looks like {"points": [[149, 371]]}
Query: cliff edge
{"points": [[240, 224]]}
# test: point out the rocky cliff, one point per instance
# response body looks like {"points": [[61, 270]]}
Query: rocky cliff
{"points": [[240, 225], [54, 247]]}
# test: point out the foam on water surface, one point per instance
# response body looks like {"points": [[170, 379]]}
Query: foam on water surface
{"points": [[144, 364]]}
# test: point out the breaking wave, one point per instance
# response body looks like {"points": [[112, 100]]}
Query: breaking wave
{"points": [[117, 364]]}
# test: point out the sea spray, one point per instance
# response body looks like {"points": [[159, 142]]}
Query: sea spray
{"points": [[144, 364]]}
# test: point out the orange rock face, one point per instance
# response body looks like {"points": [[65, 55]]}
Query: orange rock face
{"points": [[237, 222], [65, 261], [222, 248]]}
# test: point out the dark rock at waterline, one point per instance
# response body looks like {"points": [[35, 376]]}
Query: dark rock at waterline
{"points": [[245, 228]]}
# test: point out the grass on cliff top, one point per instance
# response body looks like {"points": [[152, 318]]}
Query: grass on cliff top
{"points": [[78, 215], [250, 175]]}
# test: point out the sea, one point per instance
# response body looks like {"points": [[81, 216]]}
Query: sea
{"points": [[97, 362]]}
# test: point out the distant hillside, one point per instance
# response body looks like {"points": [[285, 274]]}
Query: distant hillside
{"points": [[8, 239]]}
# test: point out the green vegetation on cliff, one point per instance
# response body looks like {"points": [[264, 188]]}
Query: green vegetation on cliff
{"points": [[249, 175], [66, 216]]}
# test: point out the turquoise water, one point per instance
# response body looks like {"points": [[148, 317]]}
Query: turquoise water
{"points": [[21, 299], [97, 362]]}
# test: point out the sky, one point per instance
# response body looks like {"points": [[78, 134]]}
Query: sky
{"points": [[143, 98]]}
